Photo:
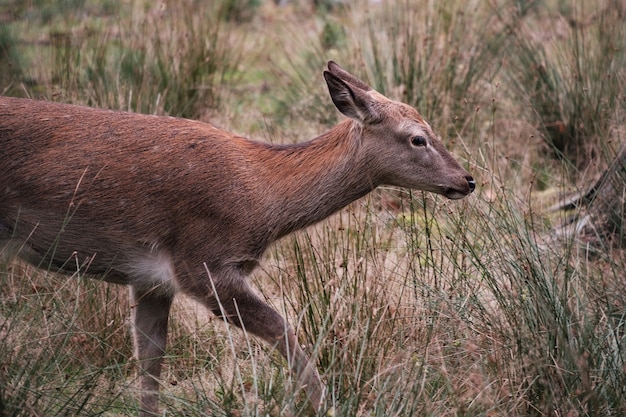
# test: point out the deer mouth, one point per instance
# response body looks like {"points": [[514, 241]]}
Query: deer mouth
{"points": [[456, 193]]}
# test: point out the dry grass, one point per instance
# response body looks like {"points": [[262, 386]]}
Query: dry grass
{"points": [[411, 305]]}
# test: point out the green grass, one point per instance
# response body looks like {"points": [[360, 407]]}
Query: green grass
{"points": [[411, 305]]}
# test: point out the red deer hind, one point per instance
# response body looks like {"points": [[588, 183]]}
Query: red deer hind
{"points": [[167, 205]]}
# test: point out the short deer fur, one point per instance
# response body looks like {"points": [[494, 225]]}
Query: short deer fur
{"points": [[167, 205]]}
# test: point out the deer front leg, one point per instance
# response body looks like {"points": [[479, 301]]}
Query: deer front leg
{"points": [[150, 316], [245, 309], [302, 367]]}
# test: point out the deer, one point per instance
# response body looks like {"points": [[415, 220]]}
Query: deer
{"points": [[168, 205]]}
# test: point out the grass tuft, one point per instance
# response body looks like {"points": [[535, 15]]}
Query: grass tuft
{"points": [[572, 76]]}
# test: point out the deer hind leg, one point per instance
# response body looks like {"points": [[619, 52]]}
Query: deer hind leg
{"points": [[150, 317], [246, 310]]}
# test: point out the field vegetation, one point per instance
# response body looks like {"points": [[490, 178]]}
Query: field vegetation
{"points": [[411, 305]]}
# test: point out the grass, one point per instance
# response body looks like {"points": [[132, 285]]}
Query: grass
{"points": [[411, 305], [573, 79]]}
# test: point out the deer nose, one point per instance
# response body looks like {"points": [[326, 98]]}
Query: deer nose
{"points": [[471, 183]]}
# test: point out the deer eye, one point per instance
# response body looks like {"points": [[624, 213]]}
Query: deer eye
{"points": [[418, 140]]}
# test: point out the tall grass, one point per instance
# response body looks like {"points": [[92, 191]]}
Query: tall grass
{"points": [[172, 58], [411, 305], [437, 57], [467, 312], [64, 345], [10, 61], [549, 315], [570, 68]]}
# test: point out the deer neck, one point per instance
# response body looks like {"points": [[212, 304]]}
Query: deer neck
{"points": [[310, 181]]}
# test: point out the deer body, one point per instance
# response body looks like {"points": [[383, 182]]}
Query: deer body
{"points": [[167, 205]]}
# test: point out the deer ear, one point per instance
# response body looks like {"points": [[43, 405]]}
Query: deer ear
{"points": [[350, 100], [335, 69]]}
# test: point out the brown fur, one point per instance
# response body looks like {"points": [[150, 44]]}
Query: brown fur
{"points": [[167, 205]]}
